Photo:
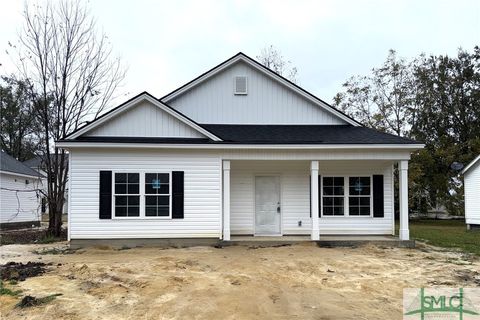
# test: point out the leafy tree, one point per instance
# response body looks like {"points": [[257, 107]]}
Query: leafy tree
{"points": [[433, 99], [19, 128], [72, 75], [448, 89], [272, 58], [384, 100]]}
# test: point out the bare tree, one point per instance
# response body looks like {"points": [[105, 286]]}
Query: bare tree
{"points": [[73, 76], [272, 58]]}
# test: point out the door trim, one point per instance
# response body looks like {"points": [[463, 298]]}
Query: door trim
{"points": [[255, 175]]}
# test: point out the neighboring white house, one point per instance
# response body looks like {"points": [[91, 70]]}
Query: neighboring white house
{"points": [[20, 197], [37, 164], [471, 177], [239, 150]]}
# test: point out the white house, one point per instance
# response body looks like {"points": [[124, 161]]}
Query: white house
{"points": [[19, 194], [471, 177], [38, 165], [239, 150]]}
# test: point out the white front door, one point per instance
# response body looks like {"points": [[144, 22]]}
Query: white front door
{"points": [[267, 205]]}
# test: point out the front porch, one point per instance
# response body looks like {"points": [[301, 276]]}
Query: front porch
{"points": [[351, 200]]}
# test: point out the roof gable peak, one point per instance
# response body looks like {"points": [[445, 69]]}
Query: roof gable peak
{"points": [[144, 96], [240, 56]]}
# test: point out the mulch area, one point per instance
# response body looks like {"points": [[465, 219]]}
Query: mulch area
{"points": [[29, 236], [20, 271]]}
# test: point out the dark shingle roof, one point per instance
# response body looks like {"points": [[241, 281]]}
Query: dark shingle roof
{"points": [[303, 134], [271, 134], [10, 164], [37, 162]]}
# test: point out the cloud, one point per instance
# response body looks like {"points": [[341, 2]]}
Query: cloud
{"points": [[168, 43]]}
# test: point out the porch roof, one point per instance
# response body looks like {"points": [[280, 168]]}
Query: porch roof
{"points": [[233, 134], [303, 134]]}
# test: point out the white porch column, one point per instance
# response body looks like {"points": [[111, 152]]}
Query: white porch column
{"points": [[226, 200], [314, 196], [404, 233]]}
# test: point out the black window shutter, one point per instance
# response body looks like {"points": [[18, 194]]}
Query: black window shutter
{"points": [[177, 194], [105, 203], [319, 196], [378, 203]]}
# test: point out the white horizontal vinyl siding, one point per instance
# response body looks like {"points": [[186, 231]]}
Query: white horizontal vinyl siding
{"points": [[145, 120], [267, 101], [202, 214], [360, 225], [295, 196], [472, 195], [294, 188], [21, 206], [203, 190]]}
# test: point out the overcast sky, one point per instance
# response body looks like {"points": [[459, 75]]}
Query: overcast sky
{"points": [[167, 43]]}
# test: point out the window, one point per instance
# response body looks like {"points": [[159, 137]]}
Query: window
{"points": [[359, 196], [157, 194], [346, 196], [333, 196], [142, 194], [127, 194]]}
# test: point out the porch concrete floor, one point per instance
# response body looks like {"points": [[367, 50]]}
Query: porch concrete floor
{"points": [[322, 238], [326, 240]]}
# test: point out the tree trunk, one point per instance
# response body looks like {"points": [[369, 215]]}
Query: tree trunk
{"points": [[55, 211]]}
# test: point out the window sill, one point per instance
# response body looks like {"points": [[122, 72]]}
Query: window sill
{"points": [[142, 218], [339, 217]]}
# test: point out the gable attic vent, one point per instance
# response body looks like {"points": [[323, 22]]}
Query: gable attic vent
{"points": [[240, 85]]}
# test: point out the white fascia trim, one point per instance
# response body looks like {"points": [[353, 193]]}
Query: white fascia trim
{"points": [[20, 174], [68, 145], [269, 74], [155, 102], [471, 164]]}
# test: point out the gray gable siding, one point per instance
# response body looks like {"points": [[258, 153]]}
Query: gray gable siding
{"points": [[145, 120], [267, 101]]}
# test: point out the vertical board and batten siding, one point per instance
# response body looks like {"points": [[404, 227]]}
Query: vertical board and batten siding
{"points": [[267, 101], [19, 206], [145, 120], [472, 194], [295, 196], [202, 206]]}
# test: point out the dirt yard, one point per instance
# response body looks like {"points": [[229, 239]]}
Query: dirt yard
{"points": [[290, 282]]}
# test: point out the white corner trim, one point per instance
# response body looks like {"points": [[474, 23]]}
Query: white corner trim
{"points": [[272, 75], [471, 164], [135, 101]]}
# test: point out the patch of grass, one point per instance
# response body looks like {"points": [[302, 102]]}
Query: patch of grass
{"points": [[458, 262], [54, 251], [29, 301], [29, 236], [451, 234], [8, 292], [47, 239]]}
